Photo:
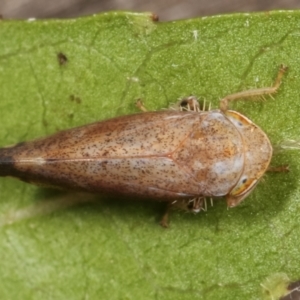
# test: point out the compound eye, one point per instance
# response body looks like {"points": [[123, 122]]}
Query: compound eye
{"points": [[243, 186]]}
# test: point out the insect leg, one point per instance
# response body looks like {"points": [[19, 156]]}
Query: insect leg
{"points": [[140, 105], [164, 222], [283, 168], [190, 103], [254, 92]]}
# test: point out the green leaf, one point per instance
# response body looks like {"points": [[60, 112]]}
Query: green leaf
{"points": [[58, 74]]}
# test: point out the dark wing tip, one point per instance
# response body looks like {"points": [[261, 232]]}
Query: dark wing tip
{"points": [[7, 163]]}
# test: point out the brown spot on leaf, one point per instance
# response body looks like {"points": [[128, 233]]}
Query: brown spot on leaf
{"points": [[62, 59], [75, 99]]}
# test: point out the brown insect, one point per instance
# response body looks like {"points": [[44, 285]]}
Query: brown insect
{"points": [[182, 155]]}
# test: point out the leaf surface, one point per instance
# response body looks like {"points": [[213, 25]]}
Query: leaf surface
{"points": [[58, 74]]}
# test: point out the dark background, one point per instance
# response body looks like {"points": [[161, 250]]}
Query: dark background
{"points": [[166, 9]]}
